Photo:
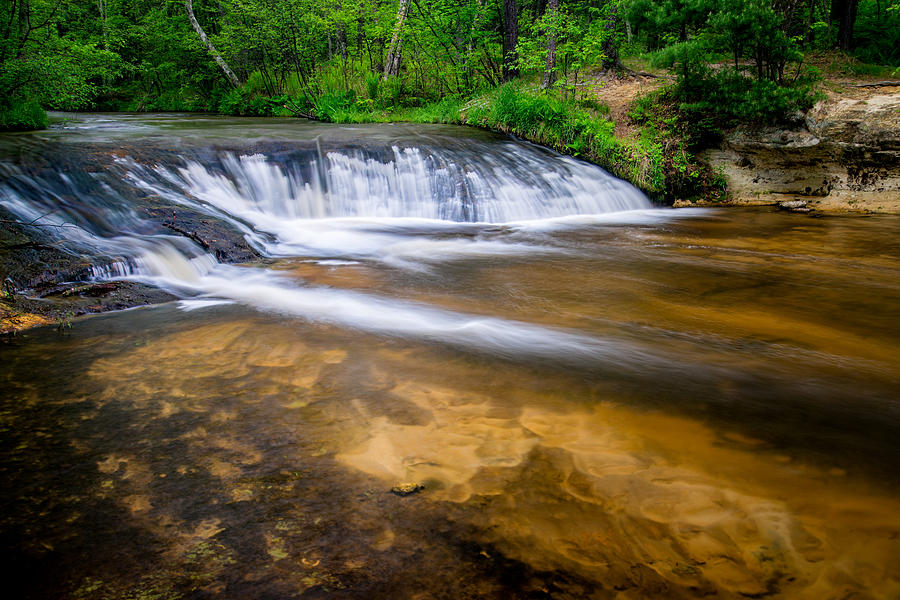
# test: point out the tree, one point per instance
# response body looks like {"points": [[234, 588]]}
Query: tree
{"points": [[392, 64], [550, 69], [610, 47], [189, 6], [45, 65], [844, 12], [510, 40]]}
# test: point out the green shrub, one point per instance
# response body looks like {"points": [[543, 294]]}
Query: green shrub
{"points": [[23, 116], [336, 107], [734, 98], [240, 102], [373, 82]]}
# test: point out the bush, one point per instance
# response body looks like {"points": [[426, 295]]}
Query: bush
{"points": [[23, 116], [336, 107], [373, 81], [240, 102], [734, 98]]}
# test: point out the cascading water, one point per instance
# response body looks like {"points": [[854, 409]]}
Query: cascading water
{"points": [[600, 399], [412, 183], [407, 203]]}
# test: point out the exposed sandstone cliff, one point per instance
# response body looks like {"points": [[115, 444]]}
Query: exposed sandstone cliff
{"points": [[845, 155]]}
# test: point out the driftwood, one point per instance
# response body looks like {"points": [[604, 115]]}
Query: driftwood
{"points": [[879, 84]]}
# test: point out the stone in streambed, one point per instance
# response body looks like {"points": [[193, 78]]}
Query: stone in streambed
{"points": [[407, 489], [797, 206]]}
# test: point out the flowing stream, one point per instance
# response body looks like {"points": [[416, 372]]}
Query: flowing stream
{"points": [[594, 398]]}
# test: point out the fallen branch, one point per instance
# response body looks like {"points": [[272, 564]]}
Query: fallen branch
{"points": [[92, 289], [878, 84], [188, 234]]}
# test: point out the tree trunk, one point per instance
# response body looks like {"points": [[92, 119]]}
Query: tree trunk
{"points": [[510, 40], [611, 60], [189, 5], [550, 70], [844, 11], [392, 64]]}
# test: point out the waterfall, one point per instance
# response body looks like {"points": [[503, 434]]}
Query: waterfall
{"points": [[412, 205], [512, 184]]}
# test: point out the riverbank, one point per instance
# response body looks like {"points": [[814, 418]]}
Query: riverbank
{"points": [[45, 283], [843, 156], [840, 156], [625, 138]]}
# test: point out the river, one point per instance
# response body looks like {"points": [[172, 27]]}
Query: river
{"points": [[589, 396]]}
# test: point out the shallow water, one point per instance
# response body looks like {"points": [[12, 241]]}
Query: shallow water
{"points": [[640, 404]]}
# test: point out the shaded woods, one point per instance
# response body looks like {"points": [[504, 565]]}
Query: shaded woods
{"points": [[227, 55], [720, 63]]}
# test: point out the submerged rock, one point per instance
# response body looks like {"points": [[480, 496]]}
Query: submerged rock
{"points": [[407, 489]]}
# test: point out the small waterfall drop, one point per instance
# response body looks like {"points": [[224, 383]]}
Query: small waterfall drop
{"points": [[411, 204], [411, 182]]}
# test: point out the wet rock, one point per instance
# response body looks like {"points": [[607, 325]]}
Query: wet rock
{"points": [[222, 240], [796, 206], [407, 489]]}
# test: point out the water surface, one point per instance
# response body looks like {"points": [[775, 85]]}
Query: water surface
{"points": [[602, 401]]}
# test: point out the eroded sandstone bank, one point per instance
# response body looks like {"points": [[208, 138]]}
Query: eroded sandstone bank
{"points": [[843, 155]]}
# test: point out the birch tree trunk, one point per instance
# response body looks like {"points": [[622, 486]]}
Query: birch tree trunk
{"points": [[189, 5], [392, 64], [550, 70]]}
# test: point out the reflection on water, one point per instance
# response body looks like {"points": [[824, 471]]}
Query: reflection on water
{"points": [[738, 439]]}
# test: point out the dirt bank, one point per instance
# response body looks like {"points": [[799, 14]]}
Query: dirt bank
{"points": [[844, 157]]}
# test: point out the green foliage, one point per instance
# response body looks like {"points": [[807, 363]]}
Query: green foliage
{"points": [[572, 128], [580, 31], [668, 137], [23, 116], [731, 58], [373, 81], [243, 103], [877, 33], [42, 62], [734, 98], [445, 111]]}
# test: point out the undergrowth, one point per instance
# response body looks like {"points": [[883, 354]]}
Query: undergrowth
{"points": [[23, 116], [657, 161]]}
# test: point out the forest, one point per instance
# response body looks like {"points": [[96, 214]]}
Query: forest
{"points": [[528, 67]]}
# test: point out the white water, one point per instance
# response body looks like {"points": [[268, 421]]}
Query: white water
{"points": [[411, 209]]}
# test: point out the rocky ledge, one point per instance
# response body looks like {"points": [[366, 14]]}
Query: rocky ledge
{"points": [[844, 154], [43, 283]]}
